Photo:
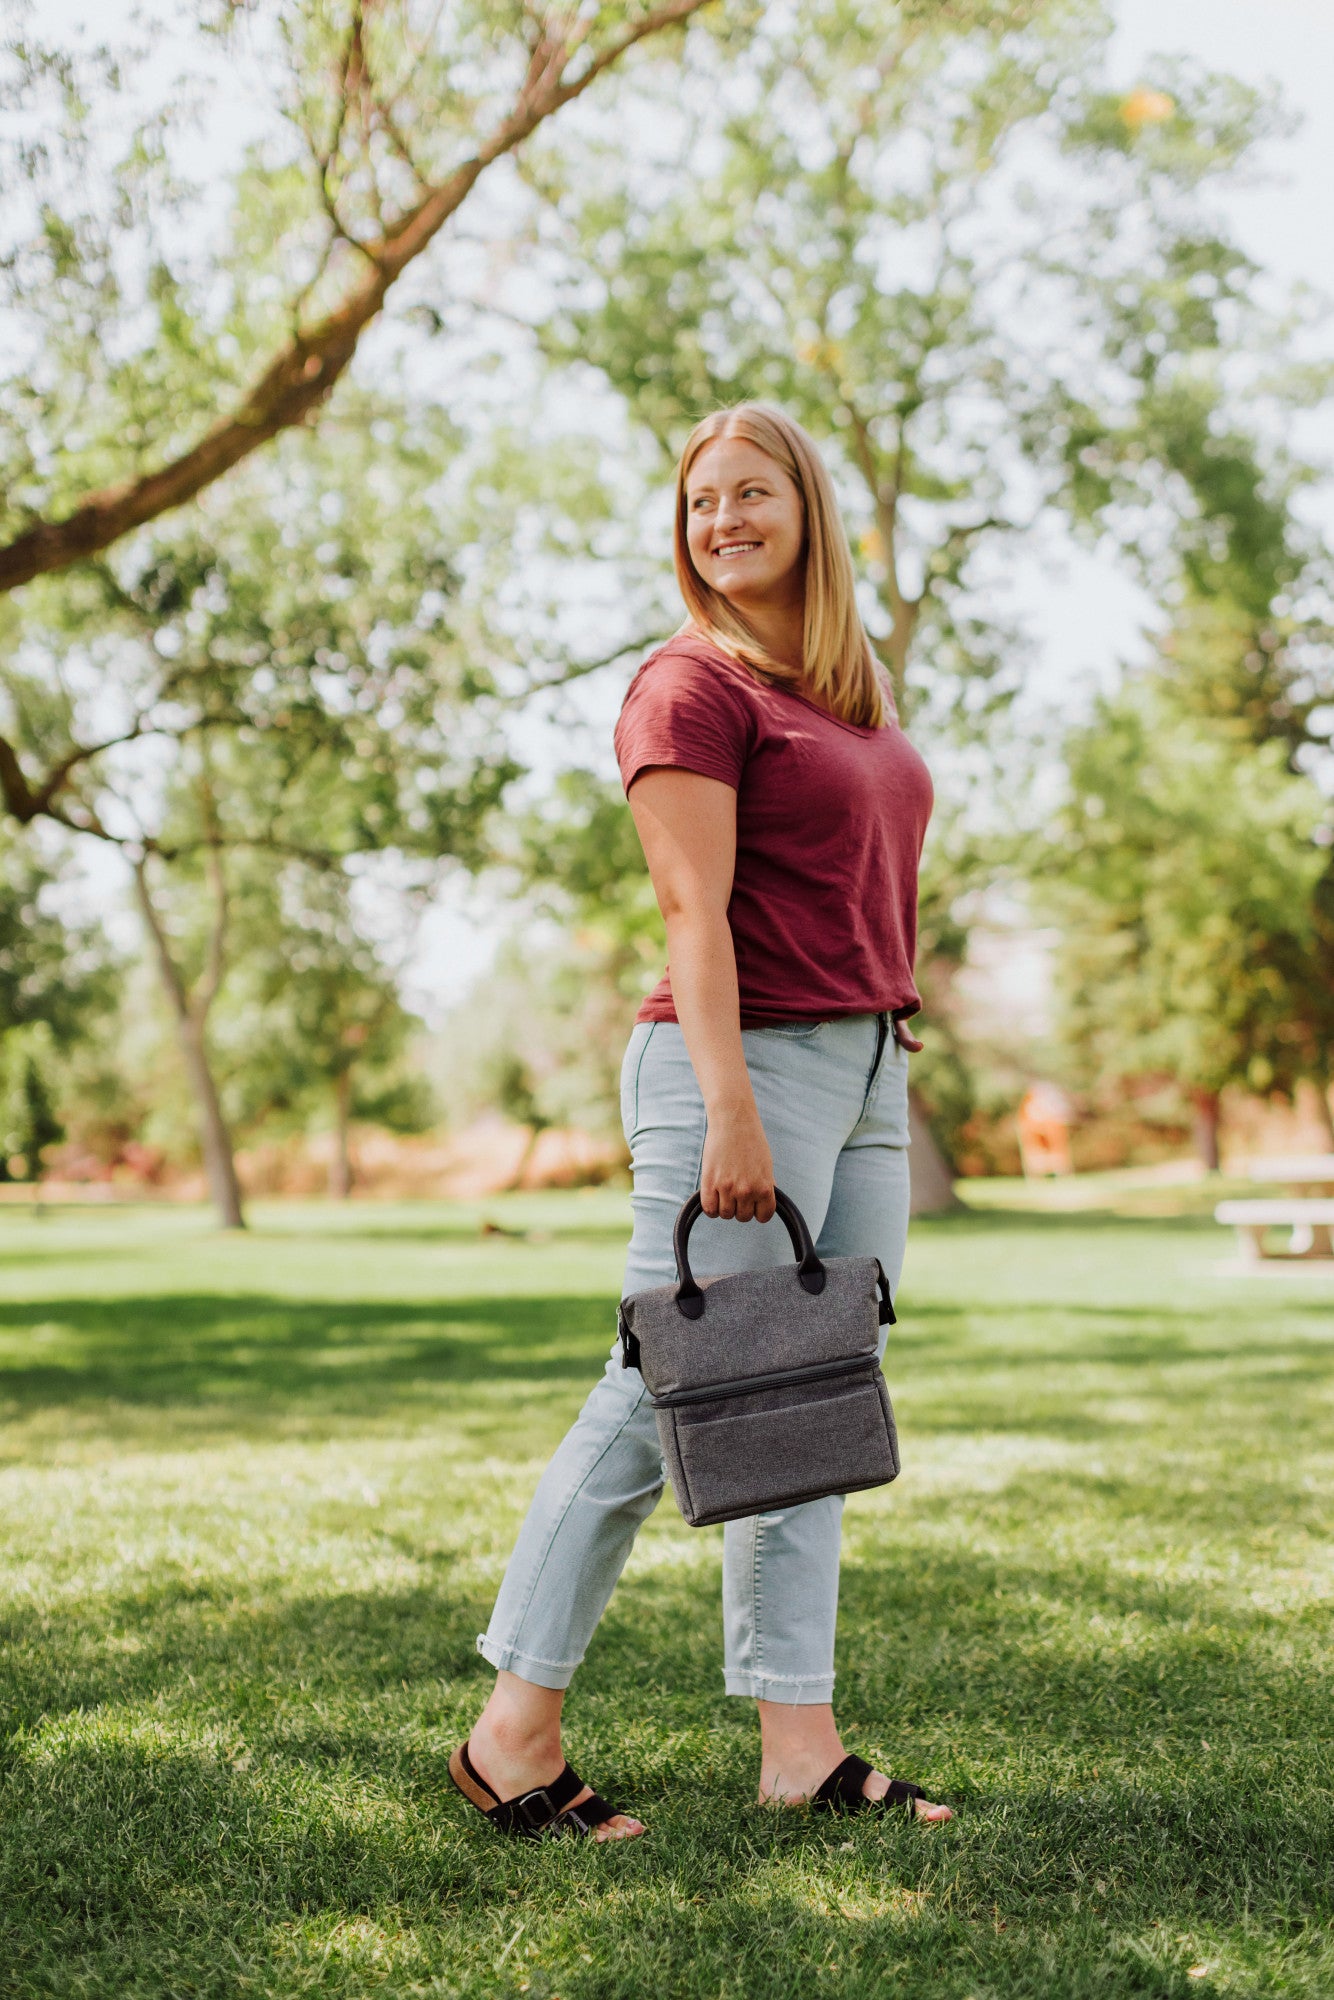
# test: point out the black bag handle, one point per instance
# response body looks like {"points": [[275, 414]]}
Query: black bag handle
{"points": [[810, 1271]]}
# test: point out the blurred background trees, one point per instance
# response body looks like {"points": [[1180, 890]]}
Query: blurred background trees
{"points": [[333, 519], [1187, 873]]}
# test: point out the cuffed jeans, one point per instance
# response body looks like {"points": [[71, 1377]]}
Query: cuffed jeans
{"points": [[833, 1099]]}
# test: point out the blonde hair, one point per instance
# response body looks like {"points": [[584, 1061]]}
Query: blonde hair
{"points": [[839, 666]]}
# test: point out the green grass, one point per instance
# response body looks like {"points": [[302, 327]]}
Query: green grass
{"points": [[257, 1496]]}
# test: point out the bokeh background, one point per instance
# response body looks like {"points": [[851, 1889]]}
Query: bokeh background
{"points": [[314, 873]]}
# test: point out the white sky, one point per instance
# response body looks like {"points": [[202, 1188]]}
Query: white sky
{"points": [[1089, 620]]}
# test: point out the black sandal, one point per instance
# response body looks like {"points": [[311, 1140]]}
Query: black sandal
{"points": [[543, 1813], [842, 1791]]}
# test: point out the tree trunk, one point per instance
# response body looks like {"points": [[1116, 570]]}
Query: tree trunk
{"points": [[191, 1017], [214, 1138], [340, 1166], [1325, 1108], [1208, 1116], [932, 1182], [515, 1181]]}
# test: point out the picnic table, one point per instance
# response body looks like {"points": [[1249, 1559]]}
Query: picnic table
{"points": [[1306, 1210]]}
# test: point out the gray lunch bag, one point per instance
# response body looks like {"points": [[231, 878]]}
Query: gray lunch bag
{"points": [[766, 1384]]}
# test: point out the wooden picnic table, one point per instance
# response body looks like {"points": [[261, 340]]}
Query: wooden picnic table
{"points": [[1306, 1211]]}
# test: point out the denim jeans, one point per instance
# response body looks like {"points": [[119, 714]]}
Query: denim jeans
{"points": [[833, 1099]]}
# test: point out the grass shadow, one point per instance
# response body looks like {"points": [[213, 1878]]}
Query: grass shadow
{"points": [[250, 1356]]}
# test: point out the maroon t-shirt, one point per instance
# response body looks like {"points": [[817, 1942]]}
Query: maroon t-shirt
{"points": [[830, 819]]}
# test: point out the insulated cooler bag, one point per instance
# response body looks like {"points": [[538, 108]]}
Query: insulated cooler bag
{"points": [[766, 1384]]}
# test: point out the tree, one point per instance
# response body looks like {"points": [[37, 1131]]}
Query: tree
{"points": [[280, 676], [1186, 870], [28, 1120], [989, 282], [55, 976], [312, 1021], [996, 287], [53, 972], [134, 334]]}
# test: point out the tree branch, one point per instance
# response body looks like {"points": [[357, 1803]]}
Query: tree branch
{"points": [[215, 960], [14, 787], [903, 610], [302, 374], [581, 670]]}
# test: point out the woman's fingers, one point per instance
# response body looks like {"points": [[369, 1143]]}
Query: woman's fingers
{"points": [[732, 1204]]}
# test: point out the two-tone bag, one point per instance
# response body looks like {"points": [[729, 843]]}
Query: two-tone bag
{"points": [[766, 1384]]}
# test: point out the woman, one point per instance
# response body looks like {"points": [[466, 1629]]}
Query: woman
{"points": [[782, 813]]}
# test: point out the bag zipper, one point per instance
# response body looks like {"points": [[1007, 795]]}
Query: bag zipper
{"points": [[750, 1385]]}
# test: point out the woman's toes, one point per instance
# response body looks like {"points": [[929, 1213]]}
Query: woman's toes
{"points": [[925, 1810], [619, 1827]]}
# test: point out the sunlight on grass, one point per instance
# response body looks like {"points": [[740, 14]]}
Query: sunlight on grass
{"points": [[258, 1496]]}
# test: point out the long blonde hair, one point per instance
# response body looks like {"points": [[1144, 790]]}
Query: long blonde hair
{"points": [[839, 666]]}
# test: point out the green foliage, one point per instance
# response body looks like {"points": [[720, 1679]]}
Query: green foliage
{"points": [[994, 290], [580, 853], [58, 985], [1186, 870], [52, 971], [310, 1006], [249, 701], [543, 1036], [513, 1093], [142, 314], [291, 647], [28, 1118]]}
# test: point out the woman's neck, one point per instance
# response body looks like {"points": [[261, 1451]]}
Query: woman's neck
{"points": [[779, 623]]}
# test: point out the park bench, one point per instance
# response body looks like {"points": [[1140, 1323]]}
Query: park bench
{"points": [[1305, 1210], [1308, 1222]]}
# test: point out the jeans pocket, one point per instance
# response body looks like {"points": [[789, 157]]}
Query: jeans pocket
{"points": [[790, 1031], [640, 1036]]}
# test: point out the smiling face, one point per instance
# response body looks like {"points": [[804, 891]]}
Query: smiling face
{"points": [[744, 524]]}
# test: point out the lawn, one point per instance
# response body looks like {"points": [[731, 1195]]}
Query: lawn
{"points": [[257, 1495]]}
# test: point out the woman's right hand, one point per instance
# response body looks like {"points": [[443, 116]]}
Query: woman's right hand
{"points": [[736, 1179]]}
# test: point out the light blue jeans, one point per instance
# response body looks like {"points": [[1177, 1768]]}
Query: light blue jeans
{"points": [[833, 1098]]}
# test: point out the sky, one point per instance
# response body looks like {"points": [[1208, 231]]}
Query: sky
{"points": [[1088, 619]]}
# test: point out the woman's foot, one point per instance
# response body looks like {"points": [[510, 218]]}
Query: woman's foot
{"points": [[800, 1746], [515, 1746]]}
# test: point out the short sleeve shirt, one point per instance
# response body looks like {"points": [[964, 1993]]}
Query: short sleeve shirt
{"points": [[830, 822]]}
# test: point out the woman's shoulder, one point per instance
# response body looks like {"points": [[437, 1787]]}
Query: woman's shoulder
{"points": [[684, 708], [689, 662]]}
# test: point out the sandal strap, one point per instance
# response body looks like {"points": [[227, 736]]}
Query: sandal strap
{"points": [[536, 1812], [842, 1789], [590, 1812]]}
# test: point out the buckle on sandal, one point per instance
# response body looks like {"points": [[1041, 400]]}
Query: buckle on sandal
{"points": [[542, 1815]]}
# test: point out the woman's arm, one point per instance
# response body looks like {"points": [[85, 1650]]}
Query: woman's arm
{"points": [[688, 828]]}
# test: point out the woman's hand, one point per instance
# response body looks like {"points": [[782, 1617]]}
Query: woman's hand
{"points": [[736, 1180]]}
